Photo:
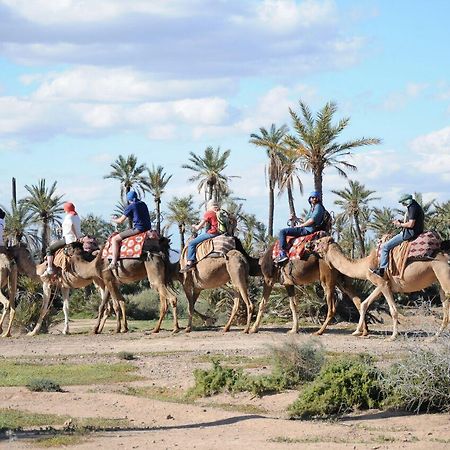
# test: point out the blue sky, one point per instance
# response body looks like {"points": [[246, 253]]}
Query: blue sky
{"points": [[82, 82]]}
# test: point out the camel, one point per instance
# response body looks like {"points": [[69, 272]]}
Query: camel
{"points": [[156, 267], [417, 275], [211, 273], [300, 272], [8, 278]]}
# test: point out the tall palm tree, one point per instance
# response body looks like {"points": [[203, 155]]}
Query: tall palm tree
{"points": [[315, 141], [440, 221], [288, 176], [46, 208], [18, 223], [353, 200], [157, 181], [208, 172], [382, 221], [130, 175], [271, 140], [93, 225], [181, 212]]}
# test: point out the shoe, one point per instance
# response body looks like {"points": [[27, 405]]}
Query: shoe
{"points": [[378, 271], [189, 266], [282, 257], [49, 271], [111, 266]]}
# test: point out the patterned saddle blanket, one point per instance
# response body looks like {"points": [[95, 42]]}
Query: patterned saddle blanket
{"points": [[221, 245], [424, 246], [132, 247], [296, 246]]}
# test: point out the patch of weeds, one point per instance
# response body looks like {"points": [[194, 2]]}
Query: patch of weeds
{"points": [[21, 374], [246, 409], [43, 385], [128, 356], [160, 393], [420, 382], [340, 387], [60, 440], [13, 419]]}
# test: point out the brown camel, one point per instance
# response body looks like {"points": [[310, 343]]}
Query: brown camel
{"points": [[211, 273], [8, 278], [156, 267], [299, 272], [417, 275]]}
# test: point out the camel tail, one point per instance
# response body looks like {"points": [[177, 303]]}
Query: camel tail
{"points": [[253, 263]]}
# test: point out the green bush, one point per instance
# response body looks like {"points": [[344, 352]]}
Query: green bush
{"points": [[128, 356], [44, 385], [340, 387], [143, 305], [421, 382]]}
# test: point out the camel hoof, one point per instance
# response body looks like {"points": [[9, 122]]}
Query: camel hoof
{"points": [[318, 333], [253, 330], [124, 331], [177, 330], [187, 329], [31, 333], [357, 333], [226, 330], [5, 335], [292, 332], [391, 338], [246, 331]]}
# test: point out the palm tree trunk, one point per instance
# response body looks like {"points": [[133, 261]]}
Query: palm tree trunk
{"points": [[158, 215], [291, 201], [318, 178], [181, 231], [130, 220], [44, 238], [359, 235], [271, 209], [210, 191]]}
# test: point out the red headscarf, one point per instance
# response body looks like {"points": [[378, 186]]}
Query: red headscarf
{"points": [[69, 208]]}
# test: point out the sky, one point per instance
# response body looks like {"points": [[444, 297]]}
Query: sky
{"points": [[84, 81]]}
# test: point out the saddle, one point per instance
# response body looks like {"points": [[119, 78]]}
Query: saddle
{"points": [[424, 246], [215, 247], [297, 246], [132, 247]]}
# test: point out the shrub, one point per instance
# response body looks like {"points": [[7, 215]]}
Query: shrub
{"points": [[128, 356], [421, 382], [143, 305], [44, 385], [340, 386]]}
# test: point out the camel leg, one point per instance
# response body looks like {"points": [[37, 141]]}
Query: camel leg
{"points": [[121, 315], [6, 302], [166, 297], [65, 294], [118, 305], [192, 296], [293, 306], [445, 298], [106, 313], [267, 289], [234, 310], [163, 307], [363, 309], [239, 280], [47, 289], [102, 312], [348, 290], [12, 287], [331, 305]]}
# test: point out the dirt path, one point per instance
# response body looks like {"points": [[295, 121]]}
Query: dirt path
{"points": [[168, 360]]}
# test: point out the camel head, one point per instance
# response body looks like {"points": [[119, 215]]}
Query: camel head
{"points": [[320, 246]]}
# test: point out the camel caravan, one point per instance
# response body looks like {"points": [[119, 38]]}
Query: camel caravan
{"points": [[305, 253]]}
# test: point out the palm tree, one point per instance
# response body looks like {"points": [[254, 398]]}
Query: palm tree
{"points": [[157, 181], [271, 140], [18, 225], [440, 220], [182, 212], [208, 169], [353, 200], [288, 176], [129, 174], [382, 221], [93, 225], [315, 142], [45, 207]]}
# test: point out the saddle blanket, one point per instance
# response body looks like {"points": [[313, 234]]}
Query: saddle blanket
{"points": [[221, 244], [131, 247], [296, 246]]}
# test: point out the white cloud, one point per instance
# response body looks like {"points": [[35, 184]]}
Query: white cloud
{"points": [[398, 100]]}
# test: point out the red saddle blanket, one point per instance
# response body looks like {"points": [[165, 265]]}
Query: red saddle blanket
{"points": [[131, 246], [296, 246]]}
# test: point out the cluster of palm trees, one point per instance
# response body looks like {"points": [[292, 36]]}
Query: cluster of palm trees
{"points": [[311, 146]]}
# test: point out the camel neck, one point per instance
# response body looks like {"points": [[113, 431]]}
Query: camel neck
{"points": [[353, 268]]}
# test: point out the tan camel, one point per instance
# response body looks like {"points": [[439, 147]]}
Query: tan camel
{"points": [[211, 273], [300, 272], [8, 279], [156, 267], [417, 275]]}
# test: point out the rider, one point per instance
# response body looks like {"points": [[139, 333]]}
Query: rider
{"points": [[412, 225], [212, 224], [2, 227], [312, 221], [71, 231], [137, 211]]}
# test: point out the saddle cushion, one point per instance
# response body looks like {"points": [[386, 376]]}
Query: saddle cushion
{"points": [[131, 247], [296, 246]]}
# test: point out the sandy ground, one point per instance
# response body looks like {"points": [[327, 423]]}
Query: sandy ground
{"points": [[168, 360]]}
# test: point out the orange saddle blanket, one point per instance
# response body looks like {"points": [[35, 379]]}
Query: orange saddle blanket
{"points": [[296, 246], [131, 247]]}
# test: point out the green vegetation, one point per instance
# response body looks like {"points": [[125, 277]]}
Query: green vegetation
{"points": [[21, 374], [127, 356], [43, 385], [12, 419], [340, 387]]}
